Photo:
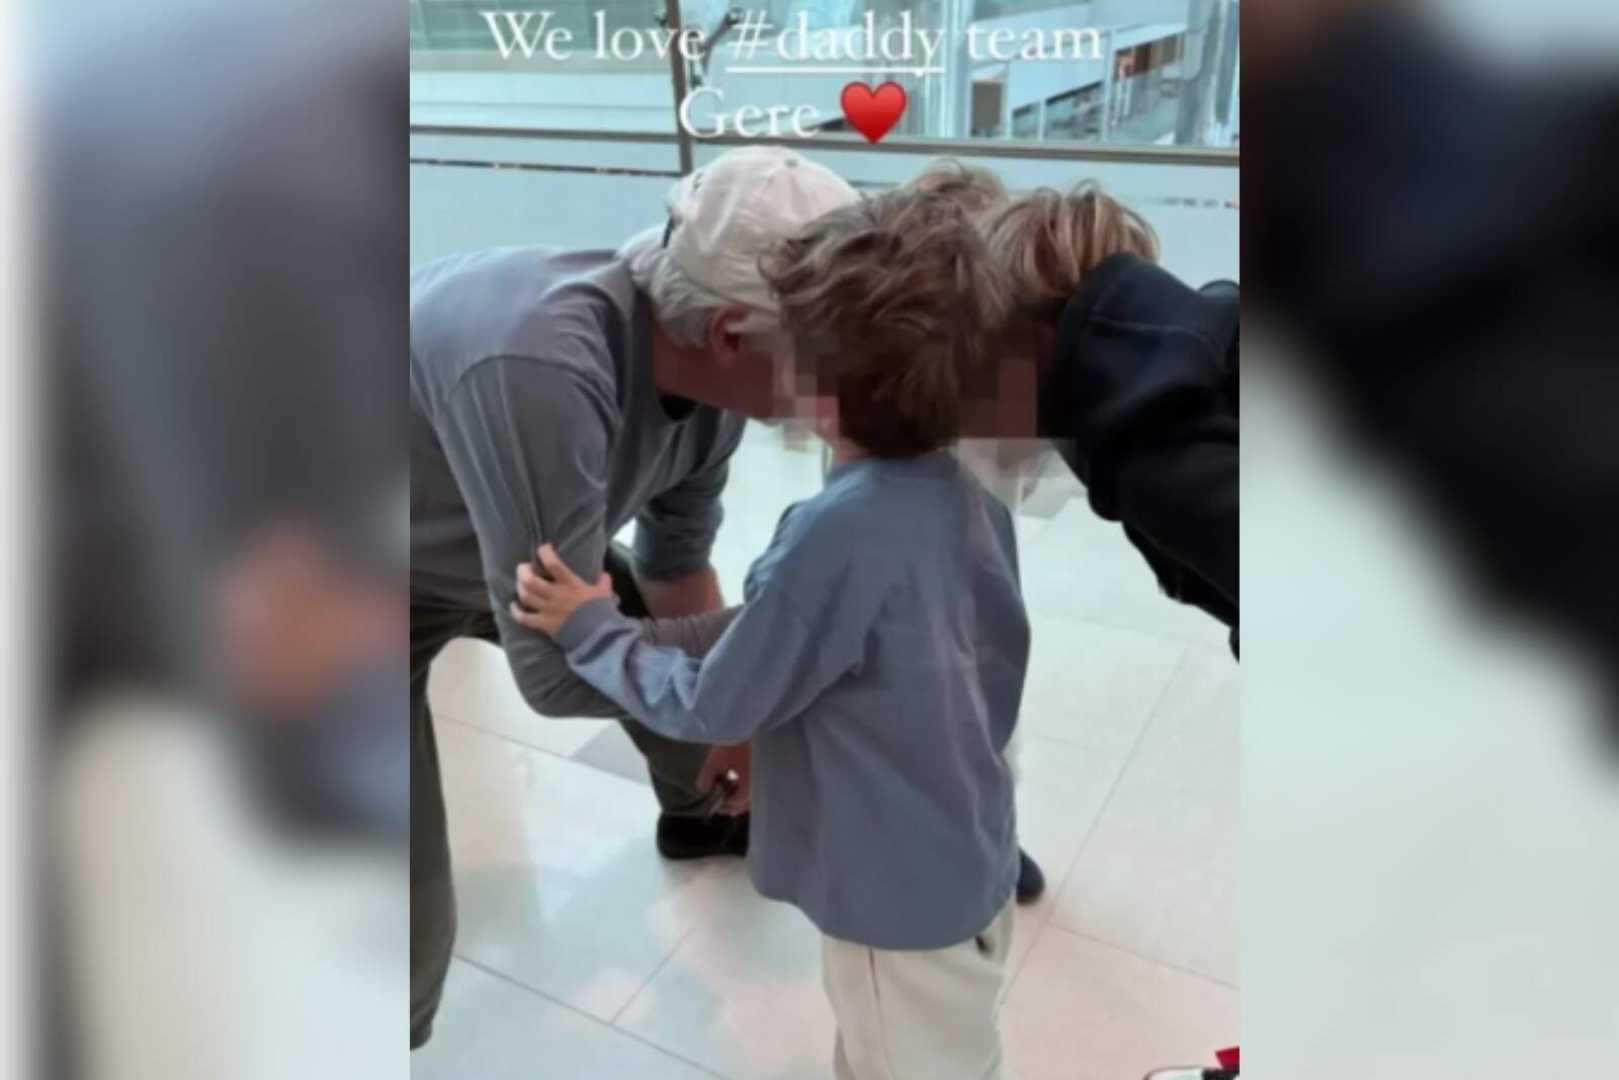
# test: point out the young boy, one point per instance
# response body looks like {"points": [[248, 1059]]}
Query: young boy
{"points": [[879, 657], [974, 188], [1007, 467]]}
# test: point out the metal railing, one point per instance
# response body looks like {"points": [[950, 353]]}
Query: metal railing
{"points": [[1001, 148]]}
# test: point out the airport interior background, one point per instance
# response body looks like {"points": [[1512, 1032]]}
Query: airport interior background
{"points": [[580, 952]]}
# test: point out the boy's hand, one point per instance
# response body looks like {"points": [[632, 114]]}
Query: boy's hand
{"points": [[544, 605]]}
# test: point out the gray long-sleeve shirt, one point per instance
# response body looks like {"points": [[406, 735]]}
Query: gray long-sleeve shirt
{"points": [[877, 665], [535, 418]]}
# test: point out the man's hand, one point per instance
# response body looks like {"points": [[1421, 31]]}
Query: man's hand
{"points": [[724, 759], [543, 604]]}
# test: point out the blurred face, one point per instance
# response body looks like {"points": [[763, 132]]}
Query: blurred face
{"points": [[745, 350], [761, 376], [1005, 404], [799, 394]]}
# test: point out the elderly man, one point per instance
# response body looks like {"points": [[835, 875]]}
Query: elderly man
{"points": [[556, 396]]}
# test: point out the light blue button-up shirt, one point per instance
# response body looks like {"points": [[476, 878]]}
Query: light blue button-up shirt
{"points": [[877, 665]]}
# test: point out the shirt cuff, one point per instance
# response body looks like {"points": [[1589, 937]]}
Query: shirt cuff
{"points": [[586, 619], [666, 564], [675, 549]]}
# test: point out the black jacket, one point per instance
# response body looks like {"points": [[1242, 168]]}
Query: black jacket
{"points": [[1141, 401], [1445, 244]]}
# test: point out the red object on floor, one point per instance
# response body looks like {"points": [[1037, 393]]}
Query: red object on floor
{"points": [[1230, 1059]]}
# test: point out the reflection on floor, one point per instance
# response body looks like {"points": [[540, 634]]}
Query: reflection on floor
{"points": [[582, 955]]}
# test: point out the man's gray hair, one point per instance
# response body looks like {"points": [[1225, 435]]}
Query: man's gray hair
{"points": [[684, 309]]}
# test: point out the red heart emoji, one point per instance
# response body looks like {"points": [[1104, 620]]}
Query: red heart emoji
{"points": [[873, 112]]}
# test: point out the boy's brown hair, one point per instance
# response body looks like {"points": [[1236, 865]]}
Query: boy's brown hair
{"points": [[1047, 241], [893, 306], [974, 188]]}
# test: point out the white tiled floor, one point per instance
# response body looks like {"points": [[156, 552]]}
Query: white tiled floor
{"points": [[581, 954]]}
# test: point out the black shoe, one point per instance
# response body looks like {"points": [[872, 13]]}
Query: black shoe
{"points": [[420, 1035], [1031, 883], [697, 838]]}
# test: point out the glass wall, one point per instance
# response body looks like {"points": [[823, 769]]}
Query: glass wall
{"points": [[500, 142], [461, 26], [1101, 72], [471, 191]]}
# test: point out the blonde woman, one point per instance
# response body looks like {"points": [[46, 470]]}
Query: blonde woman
{"points": [[1134, 376]]}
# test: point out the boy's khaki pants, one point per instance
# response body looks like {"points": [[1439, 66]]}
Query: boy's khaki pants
{"points": [[919, 1015]]}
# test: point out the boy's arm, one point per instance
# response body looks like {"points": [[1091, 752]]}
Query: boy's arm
{"points": [[693, 635], [764, 670], [528, 443]]}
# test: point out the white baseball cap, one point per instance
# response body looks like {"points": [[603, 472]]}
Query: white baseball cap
{"points": [[728, 213]]}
